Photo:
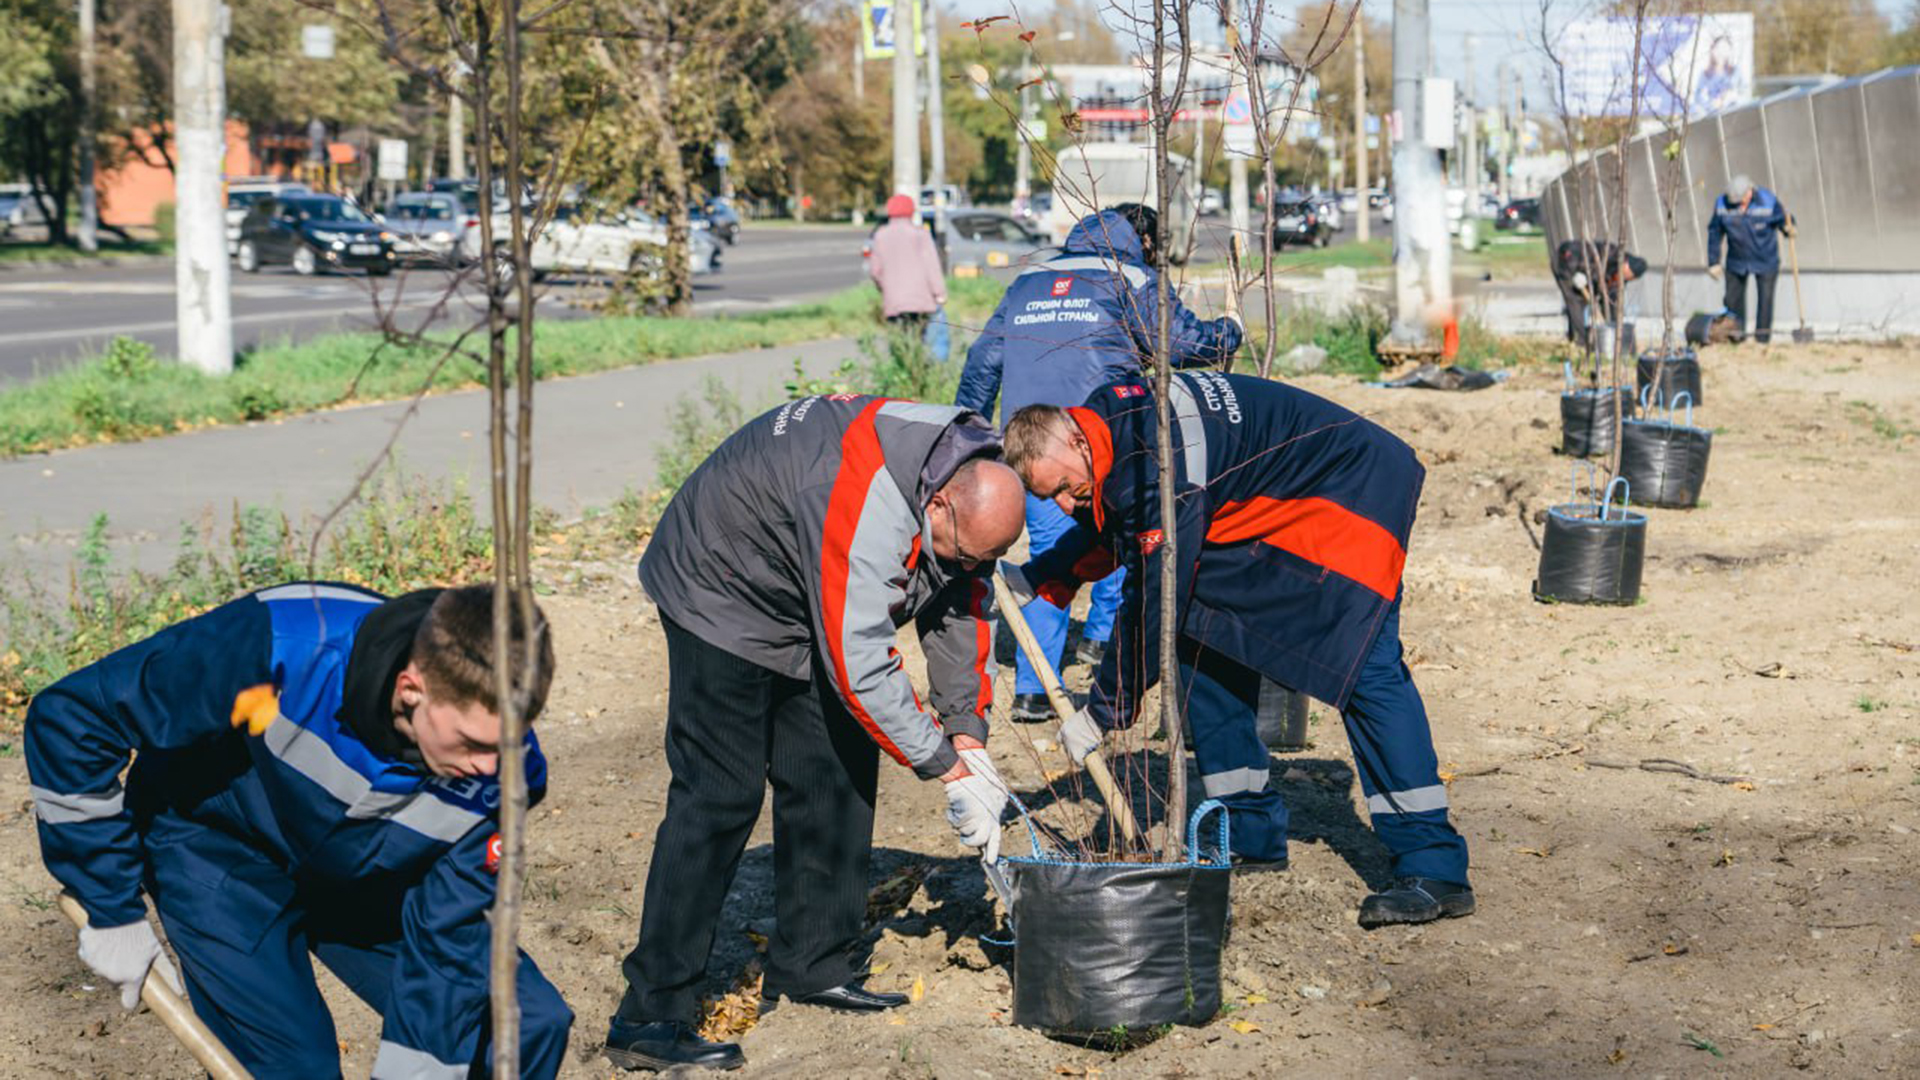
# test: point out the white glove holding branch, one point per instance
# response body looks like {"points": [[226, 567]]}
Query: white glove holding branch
{"points": [[1080, 736], [1017, 583], [123, 954], [981, 765]]}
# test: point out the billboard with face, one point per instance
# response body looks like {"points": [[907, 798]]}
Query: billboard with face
{"points": [[1688, 65]]}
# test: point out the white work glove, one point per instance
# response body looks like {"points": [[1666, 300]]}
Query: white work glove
{"points": [[1017, 584], [980, 764], [1715, 271], [1080, 736], [974, 805], [1580, 280], [123, 954]]}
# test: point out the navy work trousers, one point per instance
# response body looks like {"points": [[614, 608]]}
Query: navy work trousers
{"points": [[1392, 747]]}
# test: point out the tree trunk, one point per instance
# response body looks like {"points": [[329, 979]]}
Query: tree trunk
{"points": [[677, 274]]}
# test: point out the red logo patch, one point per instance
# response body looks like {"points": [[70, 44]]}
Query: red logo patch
{"points": [[1129, 391], [493, 854], [1151, 540], [1063, 285]]}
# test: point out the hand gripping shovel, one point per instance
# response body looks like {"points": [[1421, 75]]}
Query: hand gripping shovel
{"points": [[1803, 334], [174, 1012], [1096, 763]]}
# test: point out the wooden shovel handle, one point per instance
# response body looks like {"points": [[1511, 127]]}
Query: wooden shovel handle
{"points": [[173, 1011], [1096, 763]]}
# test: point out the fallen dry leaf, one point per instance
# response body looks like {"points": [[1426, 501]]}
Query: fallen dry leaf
{"points": [[1256, 999], [1536, 852], [1763, 1027], [919, 989], [879, 968], [1244, 1027], [1743, 785]]}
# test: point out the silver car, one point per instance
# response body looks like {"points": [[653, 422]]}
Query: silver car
{"points": [[429, 227], [980, 241]]}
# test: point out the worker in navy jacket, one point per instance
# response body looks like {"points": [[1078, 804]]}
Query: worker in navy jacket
{"points": [[1085, 317], [313, 774], [1291, 534], [1745, 219]]}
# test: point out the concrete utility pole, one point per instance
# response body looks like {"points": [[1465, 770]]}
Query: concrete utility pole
{"points": [[1023, 149], [936, 122], [1361, 210], [1421, 257], [906, 106], [859, 70], [1470, 170], [200, 221], [89, 199], [1239, 208], [456, 128]]}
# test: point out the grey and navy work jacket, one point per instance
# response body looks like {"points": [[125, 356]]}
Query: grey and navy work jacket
{"points": [[1081, 319], [247, 774], [1293, 521], [1751, 235], [806, 535]]}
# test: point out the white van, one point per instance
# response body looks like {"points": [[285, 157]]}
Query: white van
{"points": [[1096, 176]]}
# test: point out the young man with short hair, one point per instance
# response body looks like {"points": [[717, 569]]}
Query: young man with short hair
{"points": [[313, 773]]}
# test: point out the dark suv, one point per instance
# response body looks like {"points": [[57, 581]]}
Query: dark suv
{"points": [[311, 233], [1299, 223], [1519, 214]]}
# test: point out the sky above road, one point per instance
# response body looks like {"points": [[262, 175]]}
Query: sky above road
{"points": [[1500, 30]]}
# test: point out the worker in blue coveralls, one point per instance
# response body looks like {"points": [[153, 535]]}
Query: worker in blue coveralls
{"points": [[1085, 317], [1291, 534], [313, 773], [1745, 220]]}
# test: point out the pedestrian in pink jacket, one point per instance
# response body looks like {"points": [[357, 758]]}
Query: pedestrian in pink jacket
{"points": [[907, 268]]}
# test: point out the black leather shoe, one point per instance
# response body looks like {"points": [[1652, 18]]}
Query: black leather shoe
{"points": [[1090, 653], [1031, 709], [851, 998], [666, 1044], [1416, 900], [1245, 865]]}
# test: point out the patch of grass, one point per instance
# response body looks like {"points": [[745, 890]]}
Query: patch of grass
{"points": [[1504, 256], [111, 400], [29, 254], [405, 535], [1866, 412], [1868, 704]]}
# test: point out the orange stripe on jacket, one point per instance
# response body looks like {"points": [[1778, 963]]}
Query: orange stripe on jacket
{"points": [[860, 459], [1320, 531], [982, 645], [1099, 453]]}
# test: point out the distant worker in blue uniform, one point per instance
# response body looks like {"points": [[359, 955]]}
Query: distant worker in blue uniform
{"points": [[1291, 534], [1087, 316], [1745, 220], [313, 775]]}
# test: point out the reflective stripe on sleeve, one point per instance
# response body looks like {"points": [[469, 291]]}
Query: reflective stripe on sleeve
{"points": [[1193, 434], [61, 808]]}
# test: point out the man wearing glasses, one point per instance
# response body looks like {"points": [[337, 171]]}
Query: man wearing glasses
{"points": [[782, 569]]}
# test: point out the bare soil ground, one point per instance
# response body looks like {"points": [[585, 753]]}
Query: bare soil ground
{"points": [[1631, 923]]}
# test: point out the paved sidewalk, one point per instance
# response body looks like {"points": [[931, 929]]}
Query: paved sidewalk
{"points": [[594, 437]]}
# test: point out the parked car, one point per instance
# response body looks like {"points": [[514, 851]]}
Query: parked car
{"points": [[1378, 198], [19, 210], [980, 240], [1386, 209], [429, 227], [242, 193], [1211, 202], [1349, 202], [1299, 223], [579, 240], [1519, 214], [310, 233], [720, 219]]}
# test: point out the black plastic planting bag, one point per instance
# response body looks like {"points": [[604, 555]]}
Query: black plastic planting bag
{"points": [[1670, 375], [1664, 463], [1591, 553], [1106, 946], [1586, 420]]}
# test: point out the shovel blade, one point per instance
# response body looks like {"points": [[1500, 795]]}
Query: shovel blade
{"points": [[1802, 336]]}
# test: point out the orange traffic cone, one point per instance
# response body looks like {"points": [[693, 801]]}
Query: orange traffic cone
{"points": [[1450, 339]]}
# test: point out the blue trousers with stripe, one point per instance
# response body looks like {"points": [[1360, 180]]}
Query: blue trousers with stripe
{"points": [[1045, 525], [246, 941], [1392, 748]]}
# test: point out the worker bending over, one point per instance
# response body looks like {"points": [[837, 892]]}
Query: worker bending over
{"points": [[1291, 532], [313, 773], [782, 570]]}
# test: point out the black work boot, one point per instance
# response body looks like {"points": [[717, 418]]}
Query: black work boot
{"points": [[1247, 864], [1031, 709], [1416, 900], [1090, 653], [666, 1044]]}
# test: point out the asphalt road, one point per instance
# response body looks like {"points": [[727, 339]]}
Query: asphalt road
{"points": [[50, 317]]}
